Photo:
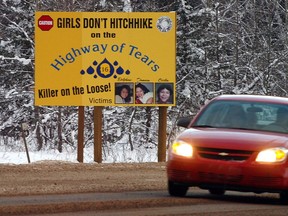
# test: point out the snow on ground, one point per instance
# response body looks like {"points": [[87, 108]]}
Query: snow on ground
{"points": [[21, 157], [112, 156]]}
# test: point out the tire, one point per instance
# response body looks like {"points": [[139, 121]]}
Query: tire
{"points": [[177, 189], [284, 197], [217, 191]]}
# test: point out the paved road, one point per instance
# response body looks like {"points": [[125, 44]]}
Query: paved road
{"points": [[140, 203]]}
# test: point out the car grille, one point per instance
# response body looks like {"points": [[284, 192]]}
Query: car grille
{"points": [[205, 176], [224, 154], [264, 180]]}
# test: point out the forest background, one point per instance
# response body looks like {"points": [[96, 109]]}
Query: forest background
{"points": [[223, 47]]}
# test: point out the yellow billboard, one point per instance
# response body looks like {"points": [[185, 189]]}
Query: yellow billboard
{"points": [[105, 58]]}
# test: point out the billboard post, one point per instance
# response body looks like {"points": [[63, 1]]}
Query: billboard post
{"points": [[98, 134], [162, 134], [80, 145]]}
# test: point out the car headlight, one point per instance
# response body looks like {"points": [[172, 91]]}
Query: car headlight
{"points": [[182, 149], [272, 155]]}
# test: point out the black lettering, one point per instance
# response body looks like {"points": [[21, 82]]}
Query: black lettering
{"points": [[45, 93], [68, 23]]}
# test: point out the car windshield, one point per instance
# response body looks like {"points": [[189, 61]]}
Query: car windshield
{"points": [[244, 115]]}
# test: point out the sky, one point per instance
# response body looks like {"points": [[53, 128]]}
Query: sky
{"points": [[118, 155]]}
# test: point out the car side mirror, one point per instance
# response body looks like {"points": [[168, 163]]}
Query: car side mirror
{"points": [[184, 121]]}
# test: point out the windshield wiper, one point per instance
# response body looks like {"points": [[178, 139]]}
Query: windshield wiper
{"points": [[208, 126], [226, 127]]}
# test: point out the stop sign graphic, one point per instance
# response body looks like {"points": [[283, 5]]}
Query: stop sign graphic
{"points": [[45, 22]]}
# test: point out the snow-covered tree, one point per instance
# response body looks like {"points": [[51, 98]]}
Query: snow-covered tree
{"points": [[16, 66], [223, 46]]}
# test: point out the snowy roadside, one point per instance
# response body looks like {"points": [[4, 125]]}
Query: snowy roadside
{"points": [[116, 156]]}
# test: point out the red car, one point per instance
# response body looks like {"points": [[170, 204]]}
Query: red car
{"points": [[236, 142]]}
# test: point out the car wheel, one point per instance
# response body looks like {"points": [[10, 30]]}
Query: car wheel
{"points": [[177, 189], [284, 197], [217, 191]]}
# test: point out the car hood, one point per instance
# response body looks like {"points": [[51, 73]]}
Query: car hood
{"points": [[233, 139]]}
